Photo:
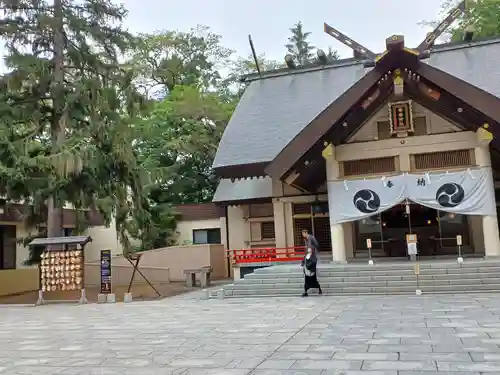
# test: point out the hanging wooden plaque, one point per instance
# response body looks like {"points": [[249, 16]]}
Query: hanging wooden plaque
{"points": [[401, 117]]}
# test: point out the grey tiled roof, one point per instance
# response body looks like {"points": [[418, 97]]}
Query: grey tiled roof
{"points": [[478, 64], [243, 189], [274, 110]]}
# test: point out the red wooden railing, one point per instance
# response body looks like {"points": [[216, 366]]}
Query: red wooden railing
{"points": [[266, 254]]}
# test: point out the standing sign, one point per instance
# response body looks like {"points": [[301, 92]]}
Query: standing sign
{"points": [[411, 243], [105, 271]]}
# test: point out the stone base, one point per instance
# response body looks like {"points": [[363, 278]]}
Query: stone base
{"points": [[83, 297], [40, 300], [101, 298], [111, 298], [127, 297], [220, 294], [206, 294]]}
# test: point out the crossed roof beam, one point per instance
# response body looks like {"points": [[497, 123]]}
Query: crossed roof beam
{"points": [[423, 49]]}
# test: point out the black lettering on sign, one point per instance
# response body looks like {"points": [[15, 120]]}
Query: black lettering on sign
{"points": [[421, 182]]}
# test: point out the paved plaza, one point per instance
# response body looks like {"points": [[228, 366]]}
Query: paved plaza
{"points": [[395, 335]]}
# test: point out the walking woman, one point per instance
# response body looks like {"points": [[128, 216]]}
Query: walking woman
{"points": [[309, 264]]}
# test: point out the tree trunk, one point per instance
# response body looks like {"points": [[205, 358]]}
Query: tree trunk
{"points": [[54, 215]]}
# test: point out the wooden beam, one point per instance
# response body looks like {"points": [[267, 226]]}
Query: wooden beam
{"points": [[338, 134], [481, 100], [468, 117]]}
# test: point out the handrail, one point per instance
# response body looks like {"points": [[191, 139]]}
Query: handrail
{"points": [[266, 254]]}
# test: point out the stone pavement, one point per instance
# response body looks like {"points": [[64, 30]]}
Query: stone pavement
{"points": [[362, 335]]}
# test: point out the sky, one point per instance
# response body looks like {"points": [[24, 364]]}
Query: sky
{"points": [[369, 22]]}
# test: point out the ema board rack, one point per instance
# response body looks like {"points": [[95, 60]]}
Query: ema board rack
{"points": [[61, 270]]}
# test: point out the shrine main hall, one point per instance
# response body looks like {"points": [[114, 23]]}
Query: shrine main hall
{"points": [[372, 147]]}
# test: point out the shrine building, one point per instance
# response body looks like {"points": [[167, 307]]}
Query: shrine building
{"points": [[375, 147]]}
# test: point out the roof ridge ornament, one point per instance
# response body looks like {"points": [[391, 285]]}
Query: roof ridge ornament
{"points": [[397, 41], [431, 37], [359, 50]]}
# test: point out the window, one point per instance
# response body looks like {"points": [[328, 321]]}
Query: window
{"points": [[206, 236], [267, 230]]}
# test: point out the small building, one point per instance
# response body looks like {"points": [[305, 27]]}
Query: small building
{"points": [[409, 145]]}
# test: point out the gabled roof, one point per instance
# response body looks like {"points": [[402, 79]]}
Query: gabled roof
{"points": [[276, 108]]}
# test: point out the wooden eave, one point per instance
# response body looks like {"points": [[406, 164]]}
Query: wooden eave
{"points": [[235, 172], [242, 202], [331, 126]]}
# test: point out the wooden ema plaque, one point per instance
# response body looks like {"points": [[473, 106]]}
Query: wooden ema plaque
{"points": [[61, 270]]}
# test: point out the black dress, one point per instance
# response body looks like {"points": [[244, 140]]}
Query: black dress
{"points": [[310, 275]]}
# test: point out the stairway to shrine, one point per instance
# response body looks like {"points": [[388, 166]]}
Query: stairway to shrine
{"points": [[474, 275]]}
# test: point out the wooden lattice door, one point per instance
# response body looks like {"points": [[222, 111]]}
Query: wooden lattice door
{"points": [[322, 233], [298, 225]]}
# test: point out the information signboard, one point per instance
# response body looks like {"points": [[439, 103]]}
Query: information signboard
{"points": [[105, 271]]}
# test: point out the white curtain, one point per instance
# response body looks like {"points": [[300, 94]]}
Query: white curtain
{"points": [[468, 192]]}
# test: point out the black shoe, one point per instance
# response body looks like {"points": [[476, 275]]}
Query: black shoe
{"points": [[305, 294], [320, 292]]}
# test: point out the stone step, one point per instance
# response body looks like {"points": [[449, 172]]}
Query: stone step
{"points": [[386, 278], [342, 278], [374, 272], [381, 267], [488, 277], [366, 284], [366, 290]]}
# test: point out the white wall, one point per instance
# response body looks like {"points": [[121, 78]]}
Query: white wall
{"points": [[22, 252], [103, 238]]}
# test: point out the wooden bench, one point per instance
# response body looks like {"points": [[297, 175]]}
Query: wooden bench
{"points": [[204, 272]]}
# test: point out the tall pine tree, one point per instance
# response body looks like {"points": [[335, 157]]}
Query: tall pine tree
{"points": [[68, 109], [298, 45]]}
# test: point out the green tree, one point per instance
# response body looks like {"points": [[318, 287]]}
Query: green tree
{"points": [[298, 45], [68, 109], [483, 16], [332, 54], [182, 134], [168, 58]]}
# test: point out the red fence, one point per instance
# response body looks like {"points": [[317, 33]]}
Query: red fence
{"points": [[266, 254]]}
